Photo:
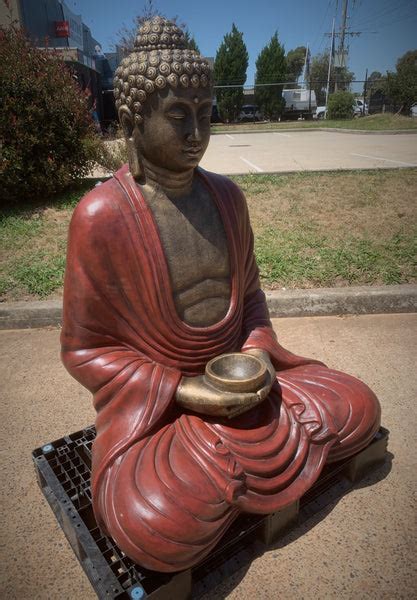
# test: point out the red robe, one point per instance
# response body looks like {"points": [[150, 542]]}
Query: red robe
{"points": [[166, 483]]}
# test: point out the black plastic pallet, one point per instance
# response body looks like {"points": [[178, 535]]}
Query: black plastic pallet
{"points": [[63, 471]]}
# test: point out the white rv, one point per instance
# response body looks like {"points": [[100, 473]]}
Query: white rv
{"points": [[299, 103]]}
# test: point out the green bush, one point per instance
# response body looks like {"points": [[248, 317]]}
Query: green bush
{"points": [[46, 133], [341, 105]]}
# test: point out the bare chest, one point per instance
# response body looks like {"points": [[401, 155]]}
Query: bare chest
{"points": [[195, 247]]}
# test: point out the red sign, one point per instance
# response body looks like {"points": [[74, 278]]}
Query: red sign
{"points": [[62, 29]]}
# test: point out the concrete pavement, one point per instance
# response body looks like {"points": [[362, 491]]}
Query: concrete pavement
{"points": [[266, 152], [304, 150], [363, 546]]}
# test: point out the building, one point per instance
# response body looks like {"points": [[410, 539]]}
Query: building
{"points": [[51, 24], [107, 63], [10, 13]]}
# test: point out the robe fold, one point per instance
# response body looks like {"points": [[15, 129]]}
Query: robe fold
{"points": [[166, 484]]}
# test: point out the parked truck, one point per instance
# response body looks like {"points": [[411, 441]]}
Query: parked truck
{"points": [[299, 103]]}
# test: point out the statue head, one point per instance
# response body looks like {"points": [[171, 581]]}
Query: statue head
{"points": [[163, 96]]}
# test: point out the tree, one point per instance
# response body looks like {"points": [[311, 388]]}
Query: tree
{"points": [[230, 69], [375, 88], [127, 35], [402, 85], [190, 41], [295, 64], [46, 132], [318, 77], [375, 81], [271, 67]]}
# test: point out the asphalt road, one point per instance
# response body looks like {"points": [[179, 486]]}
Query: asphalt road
{"points": [[308, 151]]}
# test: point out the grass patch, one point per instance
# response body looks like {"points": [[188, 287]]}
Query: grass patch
{"points": [[306, 259], [311, 229], [334, 229], [41, 275], [33, 244], [382, 122]]}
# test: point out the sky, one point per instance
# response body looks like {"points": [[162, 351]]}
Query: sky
{"points": [[388, 27]]}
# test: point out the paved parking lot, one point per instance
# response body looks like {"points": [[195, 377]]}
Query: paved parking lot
{"points": [[308, 151]]}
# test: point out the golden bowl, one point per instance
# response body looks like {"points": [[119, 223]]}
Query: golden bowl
{"points": [[236, 372]]}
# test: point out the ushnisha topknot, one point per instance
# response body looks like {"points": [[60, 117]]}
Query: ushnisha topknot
{"points": [[160, 59]]}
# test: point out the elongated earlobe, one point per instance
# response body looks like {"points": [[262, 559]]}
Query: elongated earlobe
{"points": [[135, 164]]}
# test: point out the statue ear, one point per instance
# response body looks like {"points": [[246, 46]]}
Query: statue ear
{"points": [[128, 126]]}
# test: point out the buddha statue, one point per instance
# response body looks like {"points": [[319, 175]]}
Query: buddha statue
{"points": [[161, 279]]}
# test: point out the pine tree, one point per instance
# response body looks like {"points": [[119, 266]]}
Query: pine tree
{"points": [[230, 69], [190, 42], [271, 67]]}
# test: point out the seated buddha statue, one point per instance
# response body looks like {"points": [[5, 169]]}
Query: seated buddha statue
{"points": [[160, 280]]}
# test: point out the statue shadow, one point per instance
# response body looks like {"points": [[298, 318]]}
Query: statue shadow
{"points": [[232, 572]]}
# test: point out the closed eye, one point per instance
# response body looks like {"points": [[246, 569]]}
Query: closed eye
{"points": [[176, 114]]}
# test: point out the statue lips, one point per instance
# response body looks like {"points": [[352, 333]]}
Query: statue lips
{"points": [[193, 151]]}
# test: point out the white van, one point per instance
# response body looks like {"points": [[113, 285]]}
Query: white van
{"points": [[299, 103]]}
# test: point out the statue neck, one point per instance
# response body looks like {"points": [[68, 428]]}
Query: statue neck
{"points": [[173, 184]]}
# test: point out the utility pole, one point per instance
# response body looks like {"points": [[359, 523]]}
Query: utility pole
{"points": [[329, 69], [306, 76], [343, 34], [306, 66], [365, 86], [341, 49]]}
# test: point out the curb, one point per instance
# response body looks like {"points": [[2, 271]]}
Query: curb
{"points": [[320, 302], [104, 176], [30, 315], [325, 129], [371, 132]]}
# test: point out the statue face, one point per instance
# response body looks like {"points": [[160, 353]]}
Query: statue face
{"points": [[176, 128]]}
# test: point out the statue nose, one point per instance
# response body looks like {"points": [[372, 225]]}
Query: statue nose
{"points": [[194, 134]]}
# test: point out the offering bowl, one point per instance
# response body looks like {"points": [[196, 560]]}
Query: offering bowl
{"points": [[236, 372]]}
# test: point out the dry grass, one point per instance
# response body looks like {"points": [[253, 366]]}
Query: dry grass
{"points": [[381, 122], [311, 230], [367, 203], [324, 229]]}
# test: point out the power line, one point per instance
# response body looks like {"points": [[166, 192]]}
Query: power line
{"points": [[368, 18], [376, 19], [324, 35], [249, 86], [322, 23]]}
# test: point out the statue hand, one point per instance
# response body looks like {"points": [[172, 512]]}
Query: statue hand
{"points": [[271, 373], [196, 394]]}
